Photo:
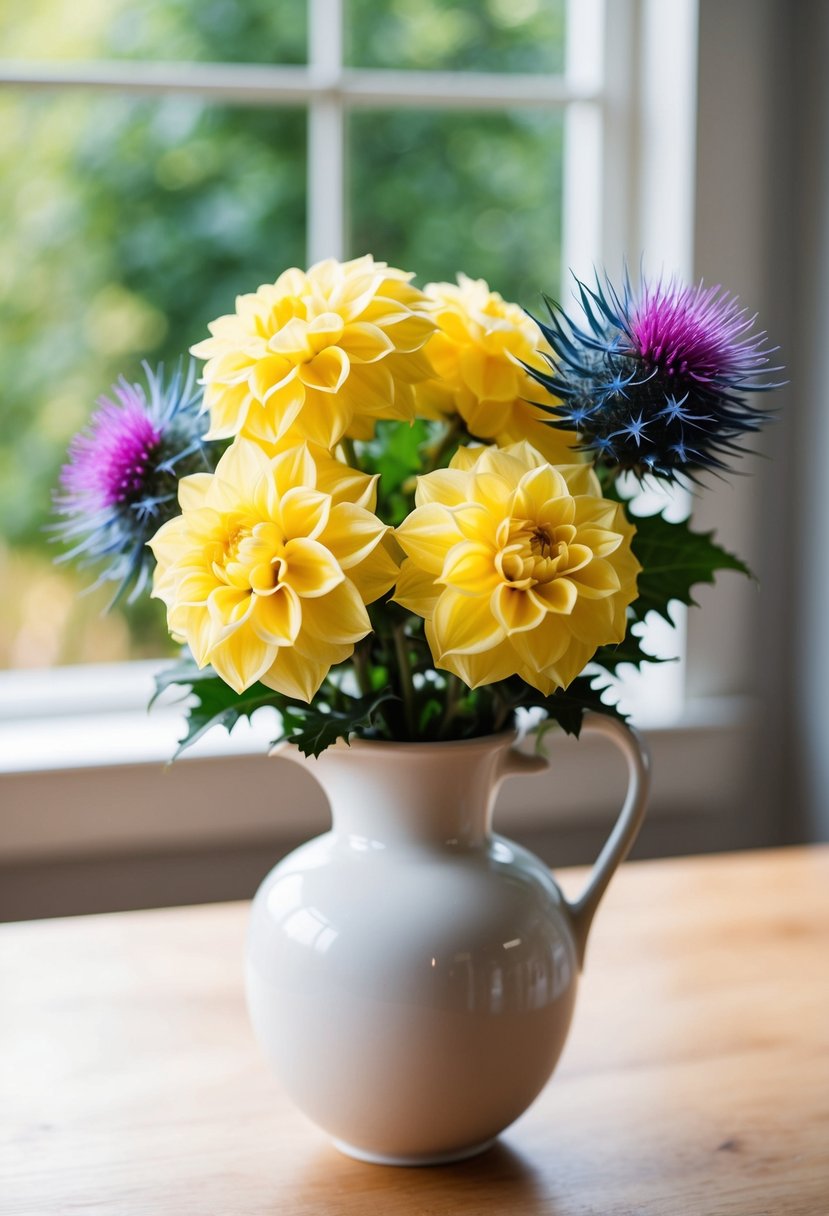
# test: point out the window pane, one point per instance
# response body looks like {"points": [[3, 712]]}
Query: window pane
{"points": [[479, 193], [461, 35], [125, 226], [256, 31]]}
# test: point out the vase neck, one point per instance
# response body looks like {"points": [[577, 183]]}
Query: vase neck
{"points": [[413, 793]]}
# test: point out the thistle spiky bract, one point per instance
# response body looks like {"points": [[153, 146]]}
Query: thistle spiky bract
{"points": [[656, 381], [121, 480]]}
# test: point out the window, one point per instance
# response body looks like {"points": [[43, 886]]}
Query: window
{"points": [[551, 134]]}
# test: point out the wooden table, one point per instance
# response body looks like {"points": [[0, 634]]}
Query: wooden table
{"points": [[696, 1078]]}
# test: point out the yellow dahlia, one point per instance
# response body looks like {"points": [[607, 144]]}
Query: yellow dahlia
{"points": [[327, 352], [267, 571], [476, 353], [518, 568]]}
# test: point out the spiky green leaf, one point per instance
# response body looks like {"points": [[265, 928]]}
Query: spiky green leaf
{"points": [[313, 728], [674, 559], [611, 658]]}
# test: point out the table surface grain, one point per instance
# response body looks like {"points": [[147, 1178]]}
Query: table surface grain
{"points": [[695, 1080]]}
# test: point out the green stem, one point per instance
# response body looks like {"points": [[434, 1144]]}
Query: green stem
{"points": [[447, 442], [454, 691], [503, 710], [401, 650], [361, 661], [350, 453]]}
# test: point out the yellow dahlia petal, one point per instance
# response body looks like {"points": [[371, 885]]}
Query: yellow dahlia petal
{"points": [[516, 611], [270, 376], [560, 595], [239, 471], [351, 533], [463, 625], [345, 484], [416, 590], [485, 418], [295, 675], [277, 618], [536, 488], [543, 648], [465, 459], [291, 344], [366, 343], [601, 541], [375, 575], [591, 618], [489, 379], [195, 586], [596, 580], [241, 658], [338, 617], [229, 406], [311, 570], [292, 468], [192, 625], [327, 372], [449, 487], [325, 329], [469, 566], [192, 490], [477, 353], [486, 667], [304, 513], [427, 535]]}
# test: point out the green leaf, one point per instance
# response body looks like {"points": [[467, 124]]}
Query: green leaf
{"points": [[312, 728], [566, 706], [211, 702], [395, 453], [674, 559], [216, 704], [611, 658]]}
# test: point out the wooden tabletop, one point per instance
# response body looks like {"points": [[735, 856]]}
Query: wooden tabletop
{"points": [[695, 1081]]}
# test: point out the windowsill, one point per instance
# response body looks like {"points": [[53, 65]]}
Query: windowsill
{"points": [[140, 737], [99, 782]]}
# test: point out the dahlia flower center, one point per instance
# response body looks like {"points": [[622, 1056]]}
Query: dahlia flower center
{"points": [[253, 559], [537, 552]]}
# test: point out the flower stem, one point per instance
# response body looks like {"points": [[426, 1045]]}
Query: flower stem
{"points": [[401, 650], [446, 444], [350, 453], [361, 661], [454, 691], [503, 710]]}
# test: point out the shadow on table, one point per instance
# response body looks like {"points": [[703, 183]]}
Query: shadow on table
{"points": [[500, 1180]]}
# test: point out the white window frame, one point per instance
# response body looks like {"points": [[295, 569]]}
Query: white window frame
{"points": [[629, 186]]}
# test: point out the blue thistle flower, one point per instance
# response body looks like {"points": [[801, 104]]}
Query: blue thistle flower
{"points": [[121, 479], [657, 381]]}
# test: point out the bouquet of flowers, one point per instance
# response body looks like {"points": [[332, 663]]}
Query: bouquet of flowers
{"points": [[400, 514]]}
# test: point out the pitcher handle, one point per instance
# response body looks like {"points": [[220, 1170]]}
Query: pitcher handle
{"points": [[628, 822]]}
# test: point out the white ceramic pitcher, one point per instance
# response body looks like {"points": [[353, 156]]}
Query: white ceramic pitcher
{"points": [[410, 973]]}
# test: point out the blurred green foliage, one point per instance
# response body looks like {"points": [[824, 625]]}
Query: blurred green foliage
{"points": [[126, 224]]}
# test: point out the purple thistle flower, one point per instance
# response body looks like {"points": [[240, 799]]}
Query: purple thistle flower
{"points": [[699, 332], [120, 482], [656, 382], [108, 462]]}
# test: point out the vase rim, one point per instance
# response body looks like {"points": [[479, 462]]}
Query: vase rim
{"points": [[389, 745]]}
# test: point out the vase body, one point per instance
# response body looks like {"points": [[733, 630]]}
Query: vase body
{"points": [[410, 974]]}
